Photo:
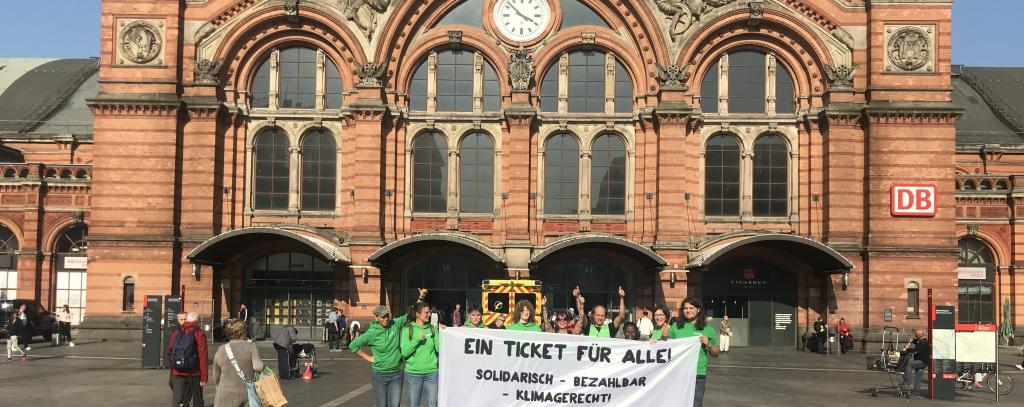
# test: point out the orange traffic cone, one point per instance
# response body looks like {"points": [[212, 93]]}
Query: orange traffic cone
{"points": [[308, 374]]}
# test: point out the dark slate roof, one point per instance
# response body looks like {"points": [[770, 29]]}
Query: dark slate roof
{"points": [[41, 92], [993, 103]]}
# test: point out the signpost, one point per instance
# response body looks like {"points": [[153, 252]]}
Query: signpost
{"points": [[943, 341], [151, 332], [171, 310]]}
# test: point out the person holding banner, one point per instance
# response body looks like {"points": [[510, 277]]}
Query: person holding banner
{"points": [[475, 314], [596, 326], [382, 339], [693, 323], [525, 318], [420, 343], [661, 323], [499, 322]]}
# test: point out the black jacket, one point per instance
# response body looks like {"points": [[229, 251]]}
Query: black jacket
{"points": [[923, 350], [17, 327]]}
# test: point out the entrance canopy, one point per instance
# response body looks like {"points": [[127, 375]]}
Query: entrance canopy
{"points": [[399, 247], [646, 255], [817, 255], [219, 249]]}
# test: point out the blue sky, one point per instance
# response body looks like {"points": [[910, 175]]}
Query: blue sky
{"points": [[70, 29]]}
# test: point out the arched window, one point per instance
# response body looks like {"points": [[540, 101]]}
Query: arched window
{"points": [[492, 89], [709, 90], [476, 174], [976, 295], [128, 294], [429, 173], [332, 86], [71, 254], [969, 185], [623, 90], [454, 81], [1001, 185], [549, 90], [771, 173], [270, 178], [746, 82], [985, 185], [749, 72], [319, 163], [418, 89], [608, 176], [722, 176], [561, 175], [586, 81], [298, 77], [297, 81], [261, 86], [785, 101], [8, 263], [913, 299]]}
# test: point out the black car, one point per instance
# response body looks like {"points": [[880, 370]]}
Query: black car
{"points": [[38, 317]]}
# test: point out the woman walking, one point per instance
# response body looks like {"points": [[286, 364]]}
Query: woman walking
{"points": [[234, 365], [64, 324], [420, 343], [693, 323], [17, 325], [382, 339]]}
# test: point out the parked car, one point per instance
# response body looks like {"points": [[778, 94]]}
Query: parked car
{"points": [[40, 319]]}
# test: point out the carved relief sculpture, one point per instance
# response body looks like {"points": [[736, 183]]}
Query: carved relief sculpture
{"points": [[909, 48], [521, 68], [370, 74], [140, 42], [291, 7], [682, 13], [840, 77], [205, 72], [673, 77], [364, 13], [844, 37]]}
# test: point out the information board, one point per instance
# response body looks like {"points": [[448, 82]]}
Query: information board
{"points": [[151, 332], [172, 306]]}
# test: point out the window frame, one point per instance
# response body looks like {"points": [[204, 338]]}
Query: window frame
{"points": [[784, 169], [331, 151], [487, 167], [323, 81], [737, 142], [255, 190], [610, 168], [442, 152], [563, 169]]}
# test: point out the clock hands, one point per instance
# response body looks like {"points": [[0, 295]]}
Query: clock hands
{"points": [[520, 13]]}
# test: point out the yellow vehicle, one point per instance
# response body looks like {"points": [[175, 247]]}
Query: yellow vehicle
{"points": [[500, 298]]}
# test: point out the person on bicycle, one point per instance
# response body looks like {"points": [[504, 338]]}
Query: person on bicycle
{"points": [[922, 351]]}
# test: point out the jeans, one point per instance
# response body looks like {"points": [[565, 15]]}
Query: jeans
{"points": [[332, 339], [387, 388], [915, 367], [420, 386], [283, 362], [186, 391], [12, 345], [698, 391]]}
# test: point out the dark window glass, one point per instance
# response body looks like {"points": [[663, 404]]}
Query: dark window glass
{"points": [[319, 155], [623, 90], [492, 89], [722, 177], [128, 295], [586, 82], [561, 175], [913, 301], [746, 82], [297, 78], [549, 90], [455, 81], [608, 176], [271, 174], [261, 86], [709, 90], [430, 173], [467, 13], [418, 88], [976, 299], [476, 174], [771, 166], [785, 102], [575, 13], [332, 86]]}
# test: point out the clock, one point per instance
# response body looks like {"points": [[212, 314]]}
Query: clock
{"points": [[521, 20]]}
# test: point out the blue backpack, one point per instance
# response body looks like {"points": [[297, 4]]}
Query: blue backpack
{"points": [[184, 352]]}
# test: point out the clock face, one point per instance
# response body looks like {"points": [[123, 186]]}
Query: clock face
{"points": [[522, 20]]}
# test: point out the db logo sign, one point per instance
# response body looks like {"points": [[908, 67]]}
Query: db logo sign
{"points": [[913, 200]]}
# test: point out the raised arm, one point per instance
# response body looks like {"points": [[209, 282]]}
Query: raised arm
{"points": [[545, 321], [622, 309], [578, 329]]}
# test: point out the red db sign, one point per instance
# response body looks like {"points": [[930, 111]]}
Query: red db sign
{"points": [[913, 200]]}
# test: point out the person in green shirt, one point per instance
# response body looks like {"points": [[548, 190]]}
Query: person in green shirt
{"points": [[420, 342], [525, 318], [382, 339], [661, 323], [475, 314], [694, 323], [598, 325]]}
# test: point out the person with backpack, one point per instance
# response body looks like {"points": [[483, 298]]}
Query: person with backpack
{"points": [[382, 339], [189, 363], [420, 342]]}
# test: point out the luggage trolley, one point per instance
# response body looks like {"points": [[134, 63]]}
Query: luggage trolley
{"points": [[893, 362]]}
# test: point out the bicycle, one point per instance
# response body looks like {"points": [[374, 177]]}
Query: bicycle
{"points": [[1000, 383]]}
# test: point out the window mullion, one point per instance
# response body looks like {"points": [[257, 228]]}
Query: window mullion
{"points": [[770, 84], [478, 82], [318, 101], [609, 83], [275, 82], [432, 82], [723, 85], [295, 160], [583, 202], [563, 84]]}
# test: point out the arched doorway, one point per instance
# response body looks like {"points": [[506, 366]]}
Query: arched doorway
{"points": [[976, 283], [8, 264], [71, 264], [289, 288]]}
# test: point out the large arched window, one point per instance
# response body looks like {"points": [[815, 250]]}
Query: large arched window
{"points": [[319, 163], [976, 296], [8, 263], [561, 175], [332, 85], [270, 177], [297, 76], [771, 173], [584, 81], [709, 90], [260, 94], [722, 176], [429, 173], [457, 74], [476, 174], [549, 90], [608, 176], [71, 254], [749, 73]]}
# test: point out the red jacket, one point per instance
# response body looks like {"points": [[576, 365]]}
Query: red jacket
{"points": [[193, 329]]}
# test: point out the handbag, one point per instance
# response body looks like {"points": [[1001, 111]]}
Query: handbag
{"points": [[250, 386], [269, 389]]}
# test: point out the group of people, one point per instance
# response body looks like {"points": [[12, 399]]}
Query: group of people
{"points": [[21, 330], [414, 339], [821, 336]]}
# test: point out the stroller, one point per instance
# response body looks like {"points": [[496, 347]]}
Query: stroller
{"points": [[893, 362], [303, 359]]}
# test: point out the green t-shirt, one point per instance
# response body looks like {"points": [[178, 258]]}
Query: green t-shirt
{"points": [[688, 330], [656, 334], [470, 325], [420, 354], [519, 326], [383, 343]]}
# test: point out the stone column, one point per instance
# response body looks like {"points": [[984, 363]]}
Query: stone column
{"points": [[294, 162], [746, 183]]}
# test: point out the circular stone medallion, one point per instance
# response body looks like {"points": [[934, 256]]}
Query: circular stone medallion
{"points": [[140, 42], [910, 48]]}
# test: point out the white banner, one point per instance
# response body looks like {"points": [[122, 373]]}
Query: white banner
{"points": [[490, 367], [76, 263], [972, 273]]}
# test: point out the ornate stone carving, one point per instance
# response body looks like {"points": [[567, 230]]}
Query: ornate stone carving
{"points": [[140, 42], [370, 74], [682, 13], [291, 7], [673, 77], [588, 37], [204, 32], [909, 48], [840, 77], [972, 229], [756, 9], [844, 37], [205, 72], [455, 37], [364, 13], [521, 68]]}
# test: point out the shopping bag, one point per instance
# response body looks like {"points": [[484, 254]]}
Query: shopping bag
{"points": [[269, 389], [308, 374]]}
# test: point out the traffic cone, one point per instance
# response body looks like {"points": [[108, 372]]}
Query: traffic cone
{"points": [[308, 374]]}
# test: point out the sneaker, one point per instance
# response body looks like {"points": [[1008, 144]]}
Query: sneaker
{"points": [[1019, 367], [28, 348], [71, 344]]}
